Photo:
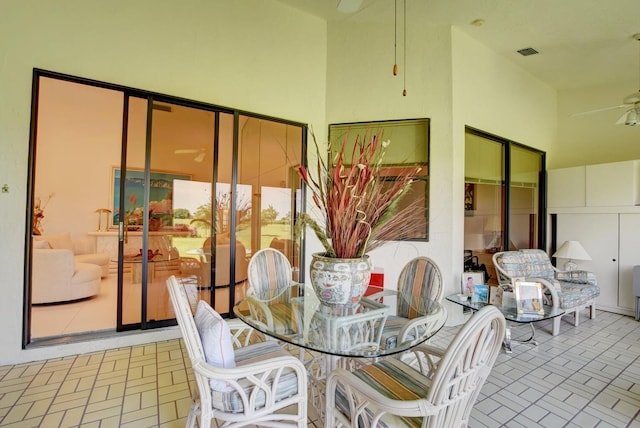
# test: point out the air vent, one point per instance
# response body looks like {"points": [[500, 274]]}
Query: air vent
{"points": [[527, 51]]}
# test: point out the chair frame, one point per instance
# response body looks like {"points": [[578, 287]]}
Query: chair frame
{"points": [[412, 329], [456, 380], [257, 304], [255, 373], [504, 279]]}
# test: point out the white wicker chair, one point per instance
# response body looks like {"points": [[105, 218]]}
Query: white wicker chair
{"points": [[441, 396], [254, 387], [419, 283], [270, 281]]}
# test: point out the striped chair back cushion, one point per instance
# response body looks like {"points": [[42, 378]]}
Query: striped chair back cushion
{"points": [[420, 282], [269, 274]]}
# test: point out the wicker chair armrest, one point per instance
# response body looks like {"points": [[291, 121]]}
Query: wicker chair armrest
{"points": [[576, 276], [417, 328], [427, 358], [242, 334], [555, 300], [262, 376], [295, 287], [380, 294], [260, 311]]}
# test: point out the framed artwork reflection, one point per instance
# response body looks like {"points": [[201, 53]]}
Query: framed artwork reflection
{"points": [[469, 197], [160, 195]]}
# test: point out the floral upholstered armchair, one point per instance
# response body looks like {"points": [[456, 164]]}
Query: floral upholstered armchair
{"points": [[575, 290]]}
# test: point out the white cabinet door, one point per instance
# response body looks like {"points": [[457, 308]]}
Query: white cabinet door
{"points": [[629, 257], [598, 234]]}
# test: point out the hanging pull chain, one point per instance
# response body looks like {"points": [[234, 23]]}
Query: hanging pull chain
{"points": [[395, 38], [404, 90]]}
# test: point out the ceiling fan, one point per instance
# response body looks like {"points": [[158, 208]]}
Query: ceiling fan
{"points": [[200, 153], [631, 103]]}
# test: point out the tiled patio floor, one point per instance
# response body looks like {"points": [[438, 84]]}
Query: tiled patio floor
{"points": [[588, 376]]}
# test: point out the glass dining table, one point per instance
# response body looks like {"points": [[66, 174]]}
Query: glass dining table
{"points": [[344, 336], [367, 329]]}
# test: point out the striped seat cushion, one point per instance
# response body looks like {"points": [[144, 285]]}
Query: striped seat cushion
{"points": [[230, 401], [395, 380]]}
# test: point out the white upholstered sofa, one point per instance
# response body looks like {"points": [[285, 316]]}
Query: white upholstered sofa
{"points": [[82, 249], [56, 276]]}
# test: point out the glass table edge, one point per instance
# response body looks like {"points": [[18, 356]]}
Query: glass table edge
{"points": [[510, 314], [381, 352]]}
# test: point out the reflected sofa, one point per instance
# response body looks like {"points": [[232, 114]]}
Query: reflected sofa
{"points": [[83, 249], [56, 276]]}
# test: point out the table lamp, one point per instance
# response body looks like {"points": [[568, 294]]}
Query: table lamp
{"points": [[571, 250]]}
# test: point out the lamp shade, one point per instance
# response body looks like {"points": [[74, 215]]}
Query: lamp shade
{"points": [[572, 250]]}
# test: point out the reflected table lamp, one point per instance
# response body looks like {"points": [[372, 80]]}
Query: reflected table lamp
{"points": [[571, 250]]}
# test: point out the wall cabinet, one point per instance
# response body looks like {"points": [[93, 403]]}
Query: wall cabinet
{"points": [[598, 205], [566, 187], [613, 242], [615, 184]]}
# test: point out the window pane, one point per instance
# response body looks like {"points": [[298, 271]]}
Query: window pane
{"points": [[268, 185], [525, 188], [483, 203], [409, 145]]}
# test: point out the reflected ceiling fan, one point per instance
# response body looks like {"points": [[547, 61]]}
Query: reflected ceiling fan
{"points": [[631, 103], [199, 153]]}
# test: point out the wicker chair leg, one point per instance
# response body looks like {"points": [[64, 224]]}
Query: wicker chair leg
{"points": [[193, 415]]}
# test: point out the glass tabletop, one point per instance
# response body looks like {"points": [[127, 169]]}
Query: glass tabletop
{"points": [[510, 313], [370, 328]]}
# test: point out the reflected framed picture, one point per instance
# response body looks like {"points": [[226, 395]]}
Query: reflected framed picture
{"points": [[495, 295], [470, 280], [469, 197], [160, 194]]}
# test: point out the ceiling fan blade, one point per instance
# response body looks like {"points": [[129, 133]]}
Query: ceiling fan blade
{"points": [[622, 119], [200, 157], [598, 110]]}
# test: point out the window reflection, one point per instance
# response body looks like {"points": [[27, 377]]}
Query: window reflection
{"points": [[198, 197]]}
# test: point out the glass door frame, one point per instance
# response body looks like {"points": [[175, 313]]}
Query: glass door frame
{"points": [[507, 146], [128, 93]]}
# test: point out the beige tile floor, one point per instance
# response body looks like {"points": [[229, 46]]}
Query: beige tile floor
{"points": [[589, 376]]}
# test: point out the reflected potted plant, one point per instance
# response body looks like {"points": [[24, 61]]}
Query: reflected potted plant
{"points": [[358, 200]]}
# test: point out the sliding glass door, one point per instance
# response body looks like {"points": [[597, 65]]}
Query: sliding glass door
{"points": [[504, 194], [132, 187]]}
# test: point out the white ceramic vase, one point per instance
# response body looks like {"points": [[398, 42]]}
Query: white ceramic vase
{"points": [[340, 281]]}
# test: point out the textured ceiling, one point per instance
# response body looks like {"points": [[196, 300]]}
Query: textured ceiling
{"points": [[582, 43]]}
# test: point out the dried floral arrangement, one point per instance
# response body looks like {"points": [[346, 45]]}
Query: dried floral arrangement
{"points": [[358, 197]]}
